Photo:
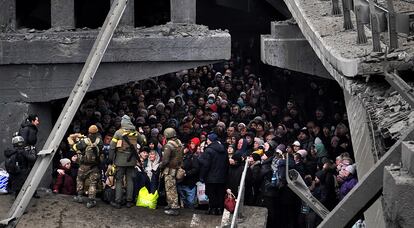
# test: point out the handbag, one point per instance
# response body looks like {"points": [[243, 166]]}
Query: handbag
{"points": [[230, 202], [201, 193], [146, 199]]}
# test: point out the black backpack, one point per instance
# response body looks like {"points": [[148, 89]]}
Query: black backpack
{"points": [[11, 163]]}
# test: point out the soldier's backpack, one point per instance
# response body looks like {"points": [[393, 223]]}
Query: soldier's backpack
{"points": [[11, 163], [91, 152]]}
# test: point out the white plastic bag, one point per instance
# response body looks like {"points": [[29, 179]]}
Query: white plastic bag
{"points": [[201, 193], [4, 180]]}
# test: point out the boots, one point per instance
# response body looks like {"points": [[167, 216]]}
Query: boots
{"points": [[210, 211], [91, 203], [218, 211], [78, 199], [115, 205], [129, 204]]}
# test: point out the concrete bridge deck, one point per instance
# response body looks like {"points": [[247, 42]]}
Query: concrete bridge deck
{"points": [[336, 48]]}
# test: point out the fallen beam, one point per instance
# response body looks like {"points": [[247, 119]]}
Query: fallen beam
{"points": [[67, 114], [169, 42]]}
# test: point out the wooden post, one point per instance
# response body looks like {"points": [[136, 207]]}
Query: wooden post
{"points": [[392, 25], [336, 10], [346, 5], [361, 37]]}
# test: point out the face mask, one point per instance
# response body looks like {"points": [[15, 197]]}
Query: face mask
{"points": [[190, 92], [210, 101]]}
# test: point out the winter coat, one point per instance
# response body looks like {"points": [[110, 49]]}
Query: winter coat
{"points": [[347, 185], [29, 133], [25, 159], [65, 183], [265, 178], [214, 163], [192, 169], [326, 188]]}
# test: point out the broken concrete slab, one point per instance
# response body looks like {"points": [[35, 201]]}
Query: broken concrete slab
{"points": [[43, 83], [407, 157], [292, 53], [285, 30], [159, 43], [331, 44]]}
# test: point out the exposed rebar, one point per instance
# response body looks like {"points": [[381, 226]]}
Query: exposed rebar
{"points": [[336, 10], [346, 5], [361, 37]]}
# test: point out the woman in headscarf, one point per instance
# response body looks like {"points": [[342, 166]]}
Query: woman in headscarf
{"points": [[152, 170]]}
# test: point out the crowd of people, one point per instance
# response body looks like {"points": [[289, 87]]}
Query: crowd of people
{"points": [[204, 124], [221, 120]]}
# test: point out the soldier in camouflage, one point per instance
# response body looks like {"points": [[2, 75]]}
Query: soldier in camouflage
{"points": [[123, 153], [172, 161], [89, 157]]}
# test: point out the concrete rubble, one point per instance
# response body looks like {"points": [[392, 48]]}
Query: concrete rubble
{"points": [[389, 113]]}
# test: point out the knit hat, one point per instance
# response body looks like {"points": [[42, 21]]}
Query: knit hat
{"points": [[172, 100], [196, 141], [212, 137], [64, 161], [154, 132], [281, 147], [212, 96], [303, 153], [296, 143], [93, 129], [221, 124], [126, 122], [350, 169]]}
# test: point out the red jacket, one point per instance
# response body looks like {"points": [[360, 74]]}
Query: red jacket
{"points": [[64, 183]]}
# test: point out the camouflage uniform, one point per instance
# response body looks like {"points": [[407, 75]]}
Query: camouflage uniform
{"points": [[89, 157], [172, 160], [124, 159]]}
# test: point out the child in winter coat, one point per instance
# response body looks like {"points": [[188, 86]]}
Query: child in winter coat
{"points": [[64, 182]]}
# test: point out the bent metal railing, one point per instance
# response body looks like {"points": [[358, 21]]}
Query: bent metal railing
{"points": [[240, 197]]}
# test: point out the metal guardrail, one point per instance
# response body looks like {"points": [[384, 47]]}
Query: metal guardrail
{"points": [[240, 197]]}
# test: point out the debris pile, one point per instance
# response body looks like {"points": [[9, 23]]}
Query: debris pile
{"points": [[389, 112]]}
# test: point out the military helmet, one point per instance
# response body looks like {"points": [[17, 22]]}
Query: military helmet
{"points": [[170, 133], [18, 140]]}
